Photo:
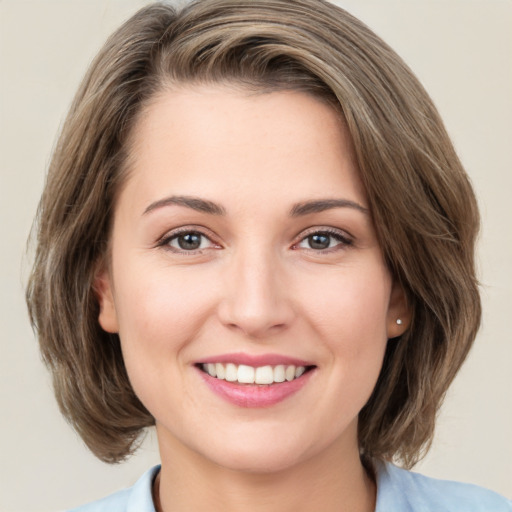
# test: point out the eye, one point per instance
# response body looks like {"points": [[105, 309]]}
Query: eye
{"points": [[324, 240], [187, 241]]}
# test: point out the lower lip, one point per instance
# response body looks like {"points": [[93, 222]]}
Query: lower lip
{"points": [[255, 395]]}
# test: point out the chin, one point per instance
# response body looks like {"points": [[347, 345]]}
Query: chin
{"points": [[264, 451], [258, 460]]}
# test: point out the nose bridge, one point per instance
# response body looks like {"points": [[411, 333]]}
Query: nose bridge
{"points": [[256, 300]]}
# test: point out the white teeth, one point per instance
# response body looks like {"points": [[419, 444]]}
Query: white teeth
{"points": [[211, 369], [279, 373], [290, 373], [264, 375], [249, 375], [231, 372], [246, 374], [220, 371], [299, 371]]}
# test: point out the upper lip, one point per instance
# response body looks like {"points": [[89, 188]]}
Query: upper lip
{"points": [[255, 360]]}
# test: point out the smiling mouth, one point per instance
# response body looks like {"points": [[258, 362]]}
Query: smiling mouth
{"points": [[262, 375]]}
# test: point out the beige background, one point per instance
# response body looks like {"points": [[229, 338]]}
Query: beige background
{"points": [[460, 49]]}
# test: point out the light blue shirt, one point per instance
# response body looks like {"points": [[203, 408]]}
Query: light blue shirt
{"points": [[398, 490]]}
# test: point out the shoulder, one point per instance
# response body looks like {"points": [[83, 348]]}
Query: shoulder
{"points": [[399, 490], [137, 498]]}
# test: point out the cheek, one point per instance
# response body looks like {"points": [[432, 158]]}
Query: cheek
{"points": [[352, 308], [158, 316], [157, 298], [349, 318]]}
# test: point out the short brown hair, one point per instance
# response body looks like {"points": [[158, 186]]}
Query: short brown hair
{"points": [[422, 203]]}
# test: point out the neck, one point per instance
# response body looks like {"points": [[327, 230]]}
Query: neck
{"points": [[334, 481]]}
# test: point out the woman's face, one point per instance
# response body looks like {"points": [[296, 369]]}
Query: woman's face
{"points": [[243, 246]]}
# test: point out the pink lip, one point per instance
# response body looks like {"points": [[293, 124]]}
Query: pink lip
{"points": [[254, 395], [255, 361]]}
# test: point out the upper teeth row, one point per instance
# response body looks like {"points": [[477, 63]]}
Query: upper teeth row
{"points": [[249, 375]]}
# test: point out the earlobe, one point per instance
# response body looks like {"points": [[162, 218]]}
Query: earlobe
{"points": [[399, 312], [103, 290]]}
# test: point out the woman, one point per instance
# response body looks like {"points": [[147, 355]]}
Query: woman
{"points": [[256, 236]]}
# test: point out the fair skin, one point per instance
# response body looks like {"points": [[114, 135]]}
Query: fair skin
{"points": [[243, 235]]}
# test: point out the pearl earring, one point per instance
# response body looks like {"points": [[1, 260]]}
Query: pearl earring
{"points": [[399, 321]]}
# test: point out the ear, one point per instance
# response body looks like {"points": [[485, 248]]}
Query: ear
{"points": [[104, 293], [399, 312]]}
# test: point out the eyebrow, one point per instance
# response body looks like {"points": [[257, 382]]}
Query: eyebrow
{"points": [[195, 203], [297, 210], [308, 207]]}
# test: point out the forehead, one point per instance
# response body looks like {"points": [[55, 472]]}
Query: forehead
{"points": [[213, 140]]}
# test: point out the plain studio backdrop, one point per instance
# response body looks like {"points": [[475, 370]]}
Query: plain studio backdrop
{"points": [[461, 51]]}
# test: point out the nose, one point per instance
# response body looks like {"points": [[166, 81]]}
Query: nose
{"points": [[256, 299]]}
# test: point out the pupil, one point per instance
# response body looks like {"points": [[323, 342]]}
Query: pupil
{"points": [[319, 241], [190, 241]]}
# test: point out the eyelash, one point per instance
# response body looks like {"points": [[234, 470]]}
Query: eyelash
{"points": [[344, 240], [166, 240]]}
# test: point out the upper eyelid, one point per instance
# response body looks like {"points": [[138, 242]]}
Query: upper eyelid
{"points": [[210, 235], [323, 229], [168, 235], [165, 242], [344, 238]]}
